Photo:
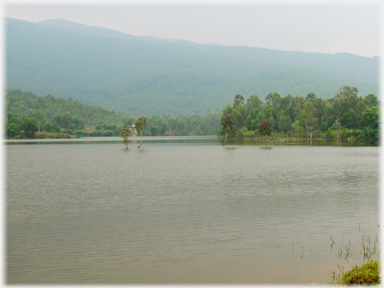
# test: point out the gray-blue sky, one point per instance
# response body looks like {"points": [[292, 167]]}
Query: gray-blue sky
{"points": [[328, 28]]}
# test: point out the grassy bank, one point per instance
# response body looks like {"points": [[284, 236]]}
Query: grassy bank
{"points": [[366, 274]]}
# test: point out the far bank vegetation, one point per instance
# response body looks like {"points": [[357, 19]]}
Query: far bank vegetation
{"points": [[346, 116]]}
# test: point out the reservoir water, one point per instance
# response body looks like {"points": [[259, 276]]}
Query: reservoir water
{"points": [[186, 210]]}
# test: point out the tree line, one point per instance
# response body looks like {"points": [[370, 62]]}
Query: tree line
{"points": [[346, 115], [342, 116], [31, 116]]}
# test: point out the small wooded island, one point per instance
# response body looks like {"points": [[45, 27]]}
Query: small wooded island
{"points": [[345, 117]]}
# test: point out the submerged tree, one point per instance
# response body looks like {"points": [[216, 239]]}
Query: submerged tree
{"points": [[124, 133], [140, 124], [265, 129], [228, 124]]}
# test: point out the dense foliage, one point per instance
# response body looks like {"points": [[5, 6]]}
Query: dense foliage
{"points": [[30, 116], [147, 76], [344, 115]]}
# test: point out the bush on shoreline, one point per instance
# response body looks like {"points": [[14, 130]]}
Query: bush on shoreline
{"points": [[366, 274]]}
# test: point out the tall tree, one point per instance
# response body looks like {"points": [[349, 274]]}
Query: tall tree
{"points": [[285, 123], [237, 113], [371, 100], [298, 104], [66, 121], [370, 118], [345, 98], [346, 92], [295, 128], [253, 102], [40, 118], [29, 126], [274, 99], [310, 119], [370, 121], [140, 124], [337, 126], [286, 102], [228, 124], [239, 100], [311, 97], [349, 119]]}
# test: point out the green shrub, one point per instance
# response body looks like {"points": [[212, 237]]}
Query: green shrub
{"points": [[107, 133], [81, 133], [96, 133], [366, 274]]}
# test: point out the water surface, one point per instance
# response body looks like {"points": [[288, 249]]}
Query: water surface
{"points": [[185, 212]]}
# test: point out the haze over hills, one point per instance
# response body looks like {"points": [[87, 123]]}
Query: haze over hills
{"points": [[149, 75]]}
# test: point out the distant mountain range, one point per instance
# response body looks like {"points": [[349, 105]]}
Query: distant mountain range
{"points": [[152, 76]]}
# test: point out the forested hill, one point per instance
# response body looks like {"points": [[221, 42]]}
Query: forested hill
{"points": [[148, 75]]}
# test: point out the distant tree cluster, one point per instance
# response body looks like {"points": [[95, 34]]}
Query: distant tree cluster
{"points": [[30, 116], [345, 115]]}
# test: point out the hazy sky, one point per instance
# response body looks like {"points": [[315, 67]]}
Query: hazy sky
{"points": [[329, 28]]}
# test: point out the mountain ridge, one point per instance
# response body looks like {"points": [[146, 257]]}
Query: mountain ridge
{"points": [[90, 29], [144, 75]]}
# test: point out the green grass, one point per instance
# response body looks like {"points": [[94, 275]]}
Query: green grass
{"points": [[366, 274]]}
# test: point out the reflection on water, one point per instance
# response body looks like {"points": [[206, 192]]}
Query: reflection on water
{"points": [[185, 212]]}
